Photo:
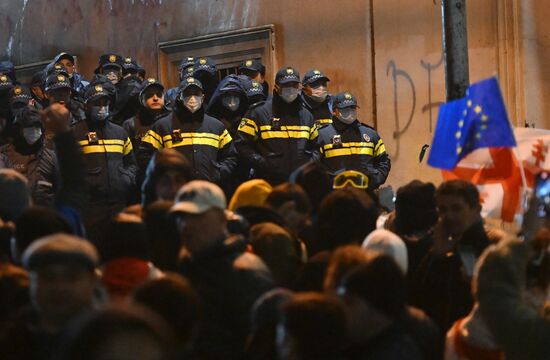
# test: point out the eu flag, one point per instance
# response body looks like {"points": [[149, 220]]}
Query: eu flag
{"points": [[477, 121]]}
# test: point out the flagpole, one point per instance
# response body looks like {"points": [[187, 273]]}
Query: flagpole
{"points": [[523, 180]]}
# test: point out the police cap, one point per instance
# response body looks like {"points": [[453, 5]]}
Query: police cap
{"points": [[188, 82], [109, 60], [344, 100], [57, 81], [252, 65], [19, 94], [5, 82], [148, 83], [254, 89], [205, 64], [186, 62], [314, 75], [94, 92], [287, 75], [129, 65]]}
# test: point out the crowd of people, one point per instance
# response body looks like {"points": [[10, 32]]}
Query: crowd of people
{"points": [[219, 220]]}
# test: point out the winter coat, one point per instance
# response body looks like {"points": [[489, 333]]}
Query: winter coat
{"points": [[229, 281], [276, 138], [39, 168], [354, 147], [202, 139]]}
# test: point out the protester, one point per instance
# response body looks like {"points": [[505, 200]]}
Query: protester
{"points": [[62, 286]]}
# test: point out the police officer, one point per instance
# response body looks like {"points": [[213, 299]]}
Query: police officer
{"points": [[58, 90], [37, 89], [68, 62], [203, 140], [109, 160], [348, 144], [6, 84], [205, 71], [185, 69], [316, 97], [19, 98], [277, 136], [110, 65], [229, 103], [128, 88], [151, 108], [255, 93], [27, 154], [255, 70]]}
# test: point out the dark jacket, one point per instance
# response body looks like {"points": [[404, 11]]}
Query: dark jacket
{"points": [[441, 287], [127, 103], [231, 120], [22, 339], [110, 163], [322, 112], [354, 147], [138, 125], [202, 139], [39, 167], [276, 138], [228, 287], [392, 343]]}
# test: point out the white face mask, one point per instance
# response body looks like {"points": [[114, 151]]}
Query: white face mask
{"points": [[289, 94], [348, 115], [231, 102], [192, 103], [32, 134], [319, 93]]}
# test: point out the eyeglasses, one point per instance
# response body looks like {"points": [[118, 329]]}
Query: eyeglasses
{"points": [[351, 178]]}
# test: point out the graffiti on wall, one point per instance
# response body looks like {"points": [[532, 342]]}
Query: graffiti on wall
{"points": [[397, 75]]}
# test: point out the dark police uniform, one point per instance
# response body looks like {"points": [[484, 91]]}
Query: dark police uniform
{"points": [[202, 139], [110, 168], [356, 146], [274, 137]]}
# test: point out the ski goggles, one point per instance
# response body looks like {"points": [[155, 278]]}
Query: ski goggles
{"points": [[351, 178]]}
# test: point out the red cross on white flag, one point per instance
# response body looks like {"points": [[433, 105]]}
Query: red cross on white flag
{"points": [[496, 172]]}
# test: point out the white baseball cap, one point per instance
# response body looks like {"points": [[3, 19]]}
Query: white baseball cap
{"points": [[197, 197]]}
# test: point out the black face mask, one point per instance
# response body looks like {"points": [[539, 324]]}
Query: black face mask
{"points": [[99, 114]]}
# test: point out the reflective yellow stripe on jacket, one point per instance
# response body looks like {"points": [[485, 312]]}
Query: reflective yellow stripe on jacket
{"points": [[154, 139], [288, 132], [208, 139], [379, 148], [109, 146], [346, 149], [248, 126]]}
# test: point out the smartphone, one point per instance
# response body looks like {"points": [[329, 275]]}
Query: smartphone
{"points": [[542, 193]]}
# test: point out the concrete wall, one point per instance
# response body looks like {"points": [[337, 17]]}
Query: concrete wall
{"points": [[508, 38]]}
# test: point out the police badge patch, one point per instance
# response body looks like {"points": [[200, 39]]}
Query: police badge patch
{"points": [[366, 137]]}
